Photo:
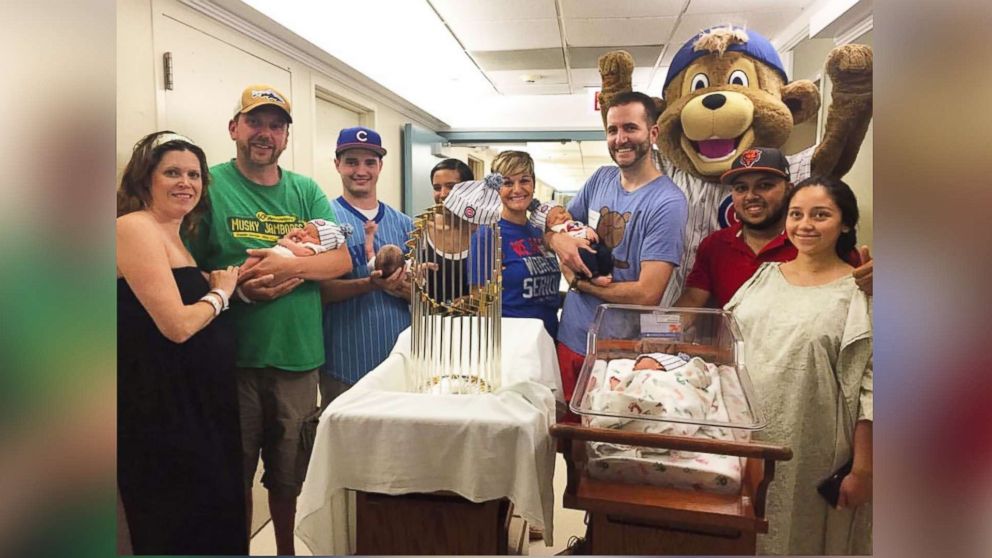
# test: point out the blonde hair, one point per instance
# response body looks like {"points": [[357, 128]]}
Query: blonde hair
{"points": [[509, 163]]}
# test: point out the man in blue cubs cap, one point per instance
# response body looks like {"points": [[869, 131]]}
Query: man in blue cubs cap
{"points": [[360, 137], [365, 311]]}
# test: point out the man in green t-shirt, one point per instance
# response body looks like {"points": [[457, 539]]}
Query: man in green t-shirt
{"points": [[277, 310]]}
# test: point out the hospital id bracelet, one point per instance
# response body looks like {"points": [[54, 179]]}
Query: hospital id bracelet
{"points": [[224, 298], [218, 307]]}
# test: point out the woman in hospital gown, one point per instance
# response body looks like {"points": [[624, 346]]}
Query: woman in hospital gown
{"points": [[808, 348]]}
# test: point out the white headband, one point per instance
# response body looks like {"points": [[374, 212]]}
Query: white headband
{"points": [[171, 136]]}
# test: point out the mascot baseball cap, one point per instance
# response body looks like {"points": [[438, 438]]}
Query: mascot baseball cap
{"points": [[757, 47], [758, 159], [260, 94], [359, 137]]}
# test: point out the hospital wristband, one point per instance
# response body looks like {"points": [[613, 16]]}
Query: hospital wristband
{"points": [[224, 297], [213, 302]]}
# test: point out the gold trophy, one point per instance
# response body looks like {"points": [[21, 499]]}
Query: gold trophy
{"points": [[455, 257]]}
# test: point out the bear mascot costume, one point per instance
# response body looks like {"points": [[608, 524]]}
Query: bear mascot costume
{"points": [[726, 91]]}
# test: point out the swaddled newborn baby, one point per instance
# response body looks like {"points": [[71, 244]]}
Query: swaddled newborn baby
{"points": [[552, 216], [654, 385], [316, 237]]}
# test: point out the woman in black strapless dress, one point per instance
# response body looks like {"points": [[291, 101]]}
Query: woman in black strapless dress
{"points": [[179, 445]]}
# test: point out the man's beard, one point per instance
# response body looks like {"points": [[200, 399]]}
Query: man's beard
{"points": [[272, 159], [640, 151], [773, 220]]}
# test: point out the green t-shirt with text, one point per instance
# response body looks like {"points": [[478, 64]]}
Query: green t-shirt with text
{"points": [[284, 333]]}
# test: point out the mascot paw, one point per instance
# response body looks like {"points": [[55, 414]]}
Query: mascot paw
{"points": [[616, 69], [850, 67]]}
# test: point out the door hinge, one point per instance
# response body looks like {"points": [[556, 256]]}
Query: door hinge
{"points": [[167, 66]]}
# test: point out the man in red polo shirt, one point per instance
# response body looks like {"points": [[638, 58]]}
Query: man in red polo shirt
{"points": [[729, 257]]}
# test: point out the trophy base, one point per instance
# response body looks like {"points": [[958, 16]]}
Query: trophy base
{"points": [[456, 384]]}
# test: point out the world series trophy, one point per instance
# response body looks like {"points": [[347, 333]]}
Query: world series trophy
{"points": [[456, 300]]}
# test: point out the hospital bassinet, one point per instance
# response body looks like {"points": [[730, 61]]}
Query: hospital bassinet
{"points": [[648, 486]]}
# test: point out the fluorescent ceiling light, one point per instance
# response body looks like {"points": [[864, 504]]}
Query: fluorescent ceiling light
{"points": [[402, 45]]}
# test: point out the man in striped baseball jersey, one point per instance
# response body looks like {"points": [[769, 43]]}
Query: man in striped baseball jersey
{"points": [[365, 311]]}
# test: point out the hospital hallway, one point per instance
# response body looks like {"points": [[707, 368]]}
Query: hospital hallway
{"points": [[457, 137]]}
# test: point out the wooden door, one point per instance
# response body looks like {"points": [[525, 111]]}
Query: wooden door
{"points": [[331, 118], [208, 76]]}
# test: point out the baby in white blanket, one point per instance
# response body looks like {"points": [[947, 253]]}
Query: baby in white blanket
{"points": [[316, 237], [654, 384], [663, 386]]}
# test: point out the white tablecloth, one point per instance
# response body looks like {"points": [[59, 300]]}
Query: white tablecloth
{"points": [[378, 438]]}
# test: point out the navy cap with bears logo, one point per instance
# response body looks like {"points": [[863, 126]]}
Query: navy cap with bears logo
{"points": [[758, 159]]}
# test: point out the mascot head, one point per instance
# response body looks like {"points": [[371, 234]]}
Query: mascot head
{"points": [[726, 91]]}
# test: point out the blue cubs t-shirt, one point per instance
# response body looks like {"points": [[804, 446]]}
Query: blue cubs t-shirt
{"points": [[647, 224], [530, 275]]}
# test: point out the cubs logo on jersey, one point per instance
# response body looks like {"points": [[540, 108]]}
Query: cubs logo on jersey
{"points": [[726, 214]]}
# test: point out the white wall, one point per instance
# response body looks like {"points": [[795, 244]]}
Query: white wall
{"points": [[140, 89]]}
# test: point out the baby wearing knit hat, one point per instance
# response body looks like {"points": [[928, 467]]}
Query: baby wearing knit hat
{"points": [[316, 237], [552, 216]]}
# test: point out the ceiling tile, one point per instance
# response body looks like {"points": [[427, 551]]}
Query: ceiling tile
{"points": [[588, 77], [628, 8], [724, 6], [515, 78], [520, 34], [692, 24], [539, 88], [587, 57], [767, 23], [535, 59], [488, 10], [770, 24], [585, 77], [617, 31]]}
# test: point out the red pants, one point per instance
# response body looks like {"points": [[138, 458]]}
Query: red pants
{"points": [[570, 364]]}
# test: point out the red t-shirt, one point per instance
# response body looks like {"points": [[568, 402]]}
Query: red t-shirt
{"points": [[724, 262]]}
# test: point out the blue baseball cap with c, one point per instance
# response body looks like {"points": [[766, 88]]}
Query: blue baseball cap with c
{"points": [[359, 137]]}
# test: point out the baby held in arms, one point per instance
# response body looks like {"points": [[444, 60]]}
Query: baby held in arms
{"points": [[316, 237], [551, 216], [388, 259]]}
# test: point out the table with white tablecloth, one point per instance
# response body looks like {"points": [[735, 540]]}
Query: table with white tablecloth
{"points": [[378, 437]]}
